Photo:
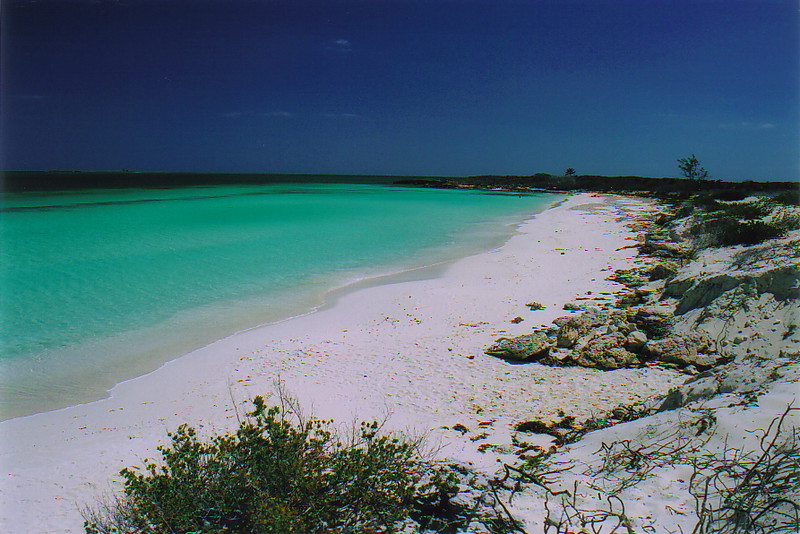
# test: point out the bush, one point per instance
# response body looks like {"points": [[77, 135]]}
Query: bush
{"points": [[729, 194], [747, 210], [724, 231], [747, 233], [275, 476], [787, 221], [787, 198], [707, 203]]}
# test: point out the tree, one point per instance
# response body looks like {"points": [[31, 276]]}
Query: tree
{"points": [[569, 172], [690, 167]]}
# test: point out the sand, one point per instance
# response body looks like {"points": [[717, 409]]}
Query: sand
{"points": [[408, 350]]}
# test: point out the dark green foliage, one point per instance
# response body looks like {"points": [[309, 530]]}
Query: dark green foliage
{"points": [[730, 195], [787, 221], [271, 476], [690, 168], [733, 232], [747, 210], [707, 203], [740, 210], [788, 198]]}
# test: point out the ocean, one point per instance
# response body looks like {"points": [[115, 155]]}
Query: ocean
{"points": [[104, 285]]}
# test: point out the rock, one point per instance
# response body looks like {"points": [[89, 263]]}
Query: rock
{"points": [[692, 348], [567, 336], [571, 306], [522, 348], [517, 320], [661, 271], [660, 246], [655, 321], [572, 328], [561, 321], [629, 277], [607, 352], [535, 306], [559, 357], [636, 340], [700, 291]]}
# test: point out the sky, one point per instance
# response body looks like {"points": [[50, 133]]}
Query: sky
{"points": [[402, 87]]}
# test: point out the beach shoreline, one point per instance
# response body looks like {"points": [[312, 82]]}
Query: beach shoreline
{"points": [[409, 352], [54, 373]]}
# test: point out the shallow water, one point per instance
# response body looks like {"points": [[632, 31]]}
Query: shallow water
{"points": [[101, 286]]}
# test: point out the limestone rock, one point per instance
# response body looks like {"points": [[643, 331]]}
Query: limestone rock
{"points": [[567, 336], [661, 247], [655, 321], [636, 340], [607, 352], [522, 348], [662, 270], [692, 348]]}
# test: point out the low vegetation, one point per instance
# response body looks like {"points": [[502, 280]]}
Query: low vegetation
{"points": [[281, 475], [721, 224], [735, 490]]}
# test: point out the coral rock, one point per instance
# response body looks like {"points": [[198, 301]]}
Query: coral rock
{"points": [[529, 346]]}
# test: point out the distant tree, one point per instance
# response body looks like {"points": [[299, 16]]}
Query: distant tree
{"points": [[569, 172], [690, 167]]}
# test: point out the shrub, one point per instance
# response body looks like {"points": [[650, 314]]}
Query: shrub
{"points": [[730, 194], [787, 221], [787, 198], [707, 203], [275, 476], [747, 233], [747, 210]]}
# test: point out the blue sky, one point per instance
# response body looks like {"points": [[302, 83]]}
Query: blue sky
{"points": [[455, 88]]}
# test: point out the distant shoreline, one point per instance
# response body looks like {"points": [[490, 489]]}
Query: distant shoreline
{"points": [[61, 180]]}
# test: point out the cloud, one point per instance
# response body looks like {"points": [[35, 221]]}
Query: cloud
{"points": [[747, 125], [279, 115], [341, 45], [341, 116]]}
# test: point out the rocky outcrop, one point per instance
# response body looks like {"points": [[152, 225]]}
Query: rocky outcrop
{"points": [[522, 348], [606, 352], [660, 245], [662, 270], [636, 340], [700, 291], [693, 348], [613, 339], [655, 321]]}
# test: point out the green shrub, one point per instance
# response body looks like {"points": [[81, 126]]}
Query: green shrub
{"points": [[276, 476], [707, 203], [788, 198], [787, 221], [722, 230], [747, 210], [747, 233], [729, 194]]}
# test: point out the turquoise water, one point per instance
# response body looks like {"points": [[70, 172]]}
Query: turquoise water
{"points": [[110, 284]]}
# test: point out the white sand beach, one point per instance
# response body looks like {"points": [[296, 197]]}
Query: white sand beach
{"points": [[408, 349]]}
